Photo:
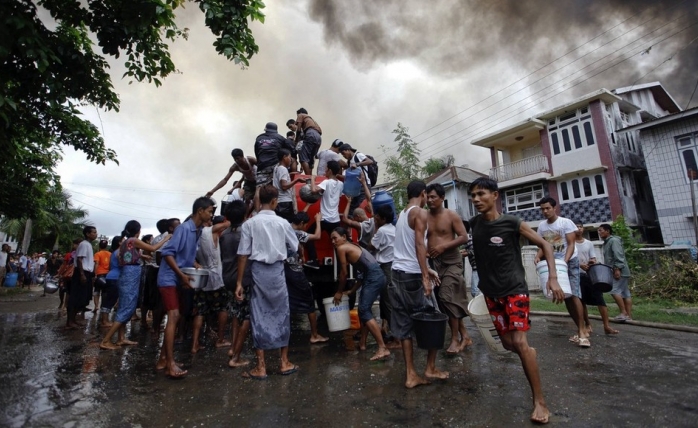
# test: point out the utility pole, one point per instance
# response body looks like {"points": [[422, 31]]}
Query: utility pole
{"points": [[692, 176]]}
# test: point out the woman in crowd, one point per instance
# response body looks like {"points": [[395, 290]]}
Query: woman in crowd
{"points": [[129, 281], [372, 284], [110, 294]]}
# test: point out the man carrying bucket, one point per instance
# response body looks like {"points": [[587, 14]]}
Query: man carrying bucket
{"points": [[590, 296], [503, 280], [412, 282], [561, 234]]}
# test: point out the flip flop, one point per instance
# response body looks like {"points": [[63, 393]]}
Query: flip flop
{"points": [[289, 371], [584, 342], [248, 375], [574, 339]]}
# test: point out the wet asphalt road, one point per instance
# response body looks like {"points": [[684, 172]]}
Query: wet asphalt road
{"points": [[53, 378]]}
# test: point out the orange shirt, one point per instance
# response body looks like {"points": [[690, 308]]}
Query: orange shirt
{"points": [[102, 262]]}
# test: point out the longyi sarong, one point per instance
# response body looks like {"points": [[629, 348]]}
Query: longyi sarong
{"points": [[270, 316], [451, 294]]}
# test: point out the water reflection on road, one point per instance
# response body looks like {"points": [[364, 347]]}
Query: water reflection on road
{"points": [[50, 377]]}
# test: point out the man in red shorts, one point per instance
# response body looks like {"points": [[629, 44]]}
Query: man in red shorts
{"points": [[503, 280], [179, 252]]}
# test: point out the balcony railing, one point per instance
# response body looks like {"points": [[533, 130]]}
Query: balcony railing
{"points": [[520, 168]]}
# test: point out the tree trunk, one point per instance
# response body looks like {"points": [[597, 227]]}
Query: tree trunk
{"points": [[27, 236]]}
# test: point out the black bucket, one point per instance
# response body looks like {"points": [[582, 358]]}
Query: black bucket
{"points": [[601, 277], [429, 329]]}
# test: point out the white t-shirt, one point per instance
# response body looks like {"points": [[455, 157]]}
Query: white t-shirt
{"points": [[358, 158], [383, 241], [85, 251], [366, 232], [324, 157], [585, 251], [237, 195], [281, 173], [329, 204], [555, 233], [23, 260], [41, 261]]}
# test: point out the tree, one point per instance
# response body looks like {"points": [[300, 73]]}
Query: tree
{"points": [[434, 165], [47, 71], [404, 167], [56, 225]]}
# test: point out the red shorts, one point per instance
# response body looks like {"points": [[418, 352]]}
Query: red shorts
{"points": [[509, 313], [170, 298]]}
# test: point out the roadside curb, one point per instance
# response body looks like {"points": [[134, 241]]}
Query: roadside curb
{"points": [[683, 328]]}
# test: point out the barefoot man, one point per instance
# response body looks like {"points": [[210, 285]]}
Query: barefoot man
{"points": [[445, 233], [178, 253], [411, 281], [503, 280], [263, 241]]}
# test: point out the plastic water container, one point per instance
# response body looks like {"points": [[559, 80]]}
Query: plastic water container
{"points": [[477, 309], [562, 277], [384, 198], [352, 185], [338, 318], [354, 317], [11, 279]]}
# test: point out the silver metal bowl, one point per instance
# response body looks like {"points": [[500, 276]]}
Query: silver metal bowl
{"points": [[199, 277], [50, 285]]}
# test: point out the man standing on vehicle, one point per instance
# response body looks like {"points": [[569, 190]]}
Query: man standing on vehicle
{"points": [[309, 131]]}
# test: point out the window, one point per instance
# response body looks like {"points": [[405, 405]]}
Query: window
{"points": [[581, 188], [524, 198], [688, 155], [574, 129]]}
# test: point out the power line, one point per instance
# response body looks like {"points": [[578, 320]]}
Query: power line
{"points": [[113, 212], [432, 147], [139, 189], [534, 102], [128, 203], [539, 69]]}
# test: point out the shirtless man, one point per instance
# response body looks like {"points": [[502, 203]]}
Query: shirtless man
{"points": [[247, 165], [445, 233], [412, 282]]}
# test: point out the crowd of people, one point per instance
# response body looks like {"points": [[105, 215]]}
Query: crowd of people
{"points": [[256, 253]]}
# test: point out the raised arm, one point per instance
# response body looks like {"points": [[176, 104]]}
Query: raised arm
{"points": [[345, 216], [141, 245], [223, 182]]}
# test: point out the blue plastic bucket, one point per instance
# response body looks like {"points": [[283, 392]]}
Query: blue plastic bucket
{"points": [[11, 279]]}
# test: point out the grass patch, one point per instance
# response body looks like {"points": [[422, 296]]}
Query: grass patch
{"points": [[644, 309]]}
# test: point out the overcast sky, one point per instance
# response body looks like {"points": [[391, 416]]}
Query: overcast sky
{"points": [[449, 70]]}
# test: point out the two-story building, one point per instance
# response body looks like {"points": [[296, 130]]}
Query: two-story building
{"points": [[573, 154]]}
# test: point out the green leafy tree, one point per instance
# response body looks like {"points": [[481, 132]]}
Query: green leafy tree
{"points": [[404, 166], [434, 165], [49, 68], [57, 223]]}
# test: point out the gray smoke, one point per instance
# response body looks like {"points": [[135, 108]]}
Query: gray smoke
{"points": [[452, 37]]}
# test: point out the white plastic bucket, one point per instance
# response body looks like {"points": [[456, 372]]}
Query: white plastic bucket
{"points": [[338, 318], [562, 277], [482, 319]]}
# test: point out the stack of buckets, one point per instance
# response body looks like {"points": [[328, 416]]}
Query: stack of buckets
{"points": [[483, 321]]}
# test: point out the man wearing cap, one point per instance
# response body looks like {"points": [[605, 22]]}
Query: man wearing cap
{"points": [[331, 154], [356, 159], [266, 150], [309, 131]]}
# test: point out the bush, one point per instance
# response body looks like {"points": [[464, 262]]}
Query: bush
{"points": [[671, 279]]}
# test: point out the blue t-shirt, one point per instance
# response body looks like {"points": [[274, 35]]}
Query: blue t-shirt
{"points": [[114, 268], [182, 246]]}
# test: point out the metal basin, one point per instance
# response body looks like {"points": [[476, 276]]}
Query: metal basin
{"points": [[199, 277]]}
